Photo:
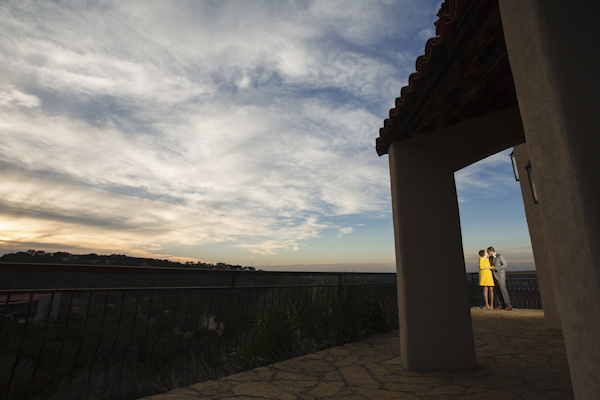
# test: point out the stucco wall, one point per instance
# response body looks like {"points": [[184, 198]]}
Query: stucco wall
{"points": [[538, 242], [554, 59]]}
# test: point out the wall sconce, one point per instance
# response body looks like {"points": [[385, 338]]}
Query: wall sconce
{"points": [[514, 165], [531, 185]]}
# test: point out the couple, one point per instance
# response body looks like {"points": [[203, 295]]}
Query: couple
{"points": [[491, 261]]}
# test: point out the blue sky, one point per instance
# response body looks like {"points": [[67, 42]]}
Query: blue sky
{"points": [[230, 131]]}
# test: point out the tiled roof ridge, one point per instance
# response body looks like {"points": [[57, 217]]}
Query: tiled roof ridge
{"points": [[450, 13]]}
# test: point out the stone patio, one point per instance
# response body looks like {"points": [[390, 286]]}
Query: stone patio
{"points": [[517, 358]]}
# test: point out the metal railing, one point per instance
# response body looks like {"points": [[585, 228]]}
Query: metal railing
{"points": [[162, 328], [523, 289]]}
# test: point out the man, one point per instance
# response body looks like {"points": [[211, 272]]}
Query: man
{"points": [[499, 265]]}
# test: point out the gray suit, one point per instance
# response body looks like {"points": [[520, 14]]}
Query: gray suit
{"points": [[500, 274]]}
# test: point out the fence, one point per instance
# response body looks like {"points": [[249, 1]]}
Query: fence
{"points": [[522, 287], [163, 328]]}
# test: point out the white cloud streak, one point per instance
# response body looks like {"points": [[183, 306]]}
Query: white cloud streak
{"points": [[138, 125], [487, 177]]}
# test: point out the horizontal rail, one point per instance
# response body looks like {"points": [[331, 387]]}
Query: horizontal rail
{"points": [[524, 292], [114, 269], [120, 289]]}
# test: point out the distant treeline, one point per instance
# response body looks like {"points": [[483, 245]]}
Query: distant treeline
{"points": [[34, 256], [110, 279]]}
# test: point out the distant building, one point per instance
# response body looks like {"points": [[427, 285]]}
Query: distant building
{"points": [[18, 306], [221, 265]]}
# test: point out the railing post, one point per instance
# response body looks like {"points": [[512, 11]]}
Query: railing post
{"points": [[341, 310], [22, 337], [233, 280], [474, 289]]}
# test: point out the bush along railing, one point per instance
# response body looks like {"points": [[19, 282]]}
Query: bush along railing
{"points": [[305, 317], [128, 342], [523, 289]]}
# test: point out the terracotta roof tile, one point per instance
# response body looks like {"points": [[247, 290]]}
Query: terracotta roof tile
{"points": [[460, 71]]}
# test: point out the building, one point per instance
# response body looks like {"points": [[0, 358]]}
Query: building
{"points": [[37, 306], [500, 74]]}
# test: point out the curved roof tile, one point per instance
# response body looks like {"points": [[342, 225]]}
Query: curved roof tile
{"points": [[450, 14]]}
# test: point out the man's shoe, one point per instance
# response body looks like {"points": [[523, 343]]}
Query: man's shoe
{"points": [[498, 308], [509, 309]]}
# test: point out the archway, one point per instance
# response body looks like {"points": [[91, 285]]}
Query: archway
{"points": [[432, 291]]}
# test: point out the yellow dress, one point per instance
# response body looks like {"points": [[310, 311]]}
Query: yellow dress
{"points": [[485, 275]]}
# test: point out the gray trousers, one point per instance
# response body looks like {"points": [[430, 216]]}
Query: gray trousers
{"points": [[500, 283]]}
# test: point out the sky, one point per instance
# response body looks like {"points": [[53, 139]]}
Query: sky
{"points": [[220, 131]]}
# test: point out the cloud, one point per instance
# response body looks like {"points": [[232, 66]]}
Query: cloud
{"points": [[486, 178], [140, 125], [345, 231], [10, 95]]}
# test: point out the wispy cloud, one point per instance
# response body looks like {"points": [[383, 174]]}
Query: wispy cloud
{"points": [[345, 231], [133, 126], [486, 178]]}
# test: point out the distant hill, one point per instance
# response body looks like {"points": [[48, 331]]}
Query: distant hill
{"points": [[33, 256]]}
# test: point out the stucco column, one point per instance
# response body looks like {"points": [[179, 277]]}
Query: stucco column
{"points": [[552, 49], [435, 321], [538, 242]]}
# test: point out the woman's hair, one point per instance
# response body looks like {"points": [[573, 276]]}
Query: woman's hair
{"points": [[481, 253]]}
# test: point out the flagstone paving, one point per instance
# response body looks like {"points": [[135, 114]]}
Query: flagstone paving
{"points": [[517, 358]]}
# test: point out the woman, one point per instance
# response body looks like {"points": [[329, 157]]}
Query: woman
{"points": [[486, 279]]}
